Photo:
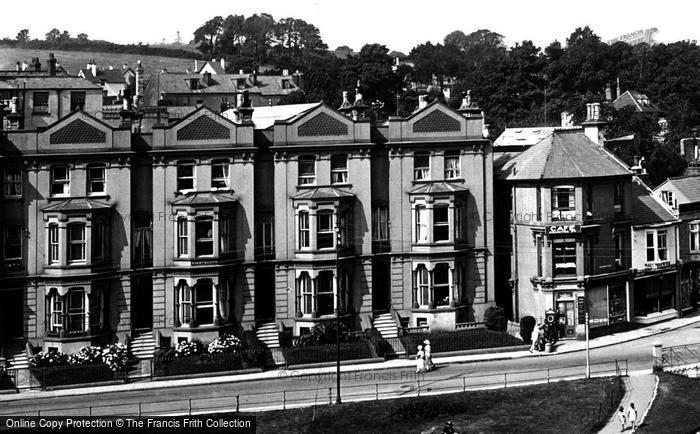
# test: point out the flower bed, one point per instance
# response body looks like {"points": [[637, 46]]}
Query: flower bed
{"points": [[225, 353], [90, 365], [462, 340]]}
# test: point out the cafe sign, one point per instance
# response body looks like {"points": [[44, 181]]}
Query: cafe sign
{"points": [[562, 229]]}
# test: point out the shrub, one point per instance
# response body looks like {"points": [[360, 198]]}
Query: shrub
{"points": [[325, 334], [225, 344], [49, 359], [87, 356], [527, 325], [115, 356], [191, 348], [495, 319]]}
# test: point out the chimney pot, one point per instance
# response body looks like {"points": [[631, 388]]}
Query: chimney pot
{"points": [[222, 61], [196, 66], [422, 102], [285, 72], [240, 71]]}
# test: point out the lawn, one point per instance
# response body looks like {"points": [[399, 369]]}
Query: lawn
{"points": [[568, 406], [677, 406]]}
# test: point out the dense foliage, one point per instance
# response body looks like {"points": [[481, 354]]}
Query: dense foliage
{"points": [[495, 319], [325, 334], [527, 325], [115, 356]]}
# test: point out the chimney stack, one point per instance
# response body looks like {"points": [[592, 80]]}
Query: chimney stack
{"points": [[594, 126], [346, 107], [52, 65], [24, 66], [19, 66], [36, 64], [222, 61], [243, 110], [196, 66], [285, 72], [422, 102], [608, 93], [240, 71], [93, 67], [139, 83]]}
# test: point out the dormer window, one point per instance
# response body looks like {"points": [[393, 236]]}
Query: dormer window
{"points": [[194, 83], [285, 83], [240, 83]]}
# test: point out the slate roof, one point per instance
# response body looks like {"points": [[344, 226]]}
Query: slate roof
{"points": [[564, 154], [646, 207], [76, 204], [177, 83], [639, 101], [204, 198], [688, 186], [437, 188], [216, 66], [322, 193], [51, 83], [107, 75], [522, 136], [265, 116]]}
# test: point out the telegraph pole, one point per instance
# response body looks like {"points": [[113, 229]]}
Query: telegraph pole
{"points": [[337, 314], [588, 350]]}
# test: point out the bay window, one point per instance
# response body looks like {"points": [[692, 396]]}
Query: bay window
{"points": [[226, 234], [324, 231], [60, 181], [656, 246], [563, 203], [441, 223], [54, 245], [421, 224], [182, 237], [98, 241], [325, 297], [304, 230], [662, 246], [76, 242], [67, 313], [441, 285], [307, 170], [339, 169], [196, 304], [204, 238], [306, 293], [423, 285]]}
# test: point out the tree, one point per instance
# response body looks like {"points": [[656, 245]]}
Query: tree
{"points": [[259, 30], [206, 36], [296, 97], [232, 36], [53, 35], [83, 37], [65, 36], [23, 35]]}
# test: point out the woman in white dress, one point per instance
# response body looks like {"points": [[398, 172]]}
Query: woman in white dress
{"points": [[427, 352], [420, 360]]}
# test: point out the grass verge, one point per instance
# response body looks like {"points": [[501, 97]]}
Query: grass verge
{"points": [[676, 408], [567, 406]]}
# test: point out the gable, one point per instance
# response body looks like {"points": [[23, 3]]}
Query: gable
{"points": [[323, 124], [203, 128], [77, 131], [436, 121]]}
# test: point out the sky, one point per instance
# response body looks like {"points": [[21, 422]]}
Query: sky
{"points": [[400, 25]]}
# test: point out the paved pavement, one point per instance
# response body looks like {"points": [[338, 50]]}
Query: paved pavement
{"points": [[640, 390], [395, 378]]}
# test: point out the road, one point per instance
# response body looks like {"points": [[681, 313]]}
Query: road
{"points": [[306, 390]]}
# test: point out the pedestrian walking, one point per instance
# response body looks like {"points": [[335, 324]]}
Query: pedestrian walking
{"points": [[427, 351], [420, 360], [632, 416], [621, 416], [535, 337]]}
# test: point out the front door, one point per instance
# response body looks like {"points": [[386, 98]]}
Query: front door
{"points": [[566, 318], [11, 315], [380, 286], [142, 303], [265, 294]]}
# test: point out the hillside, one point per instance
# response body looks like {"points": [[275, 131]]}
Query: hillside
{"points": [[74, 60]]}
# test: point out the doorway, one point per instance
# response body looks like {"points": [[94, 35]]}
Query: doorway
{"points": [[381, 285], [265, 294], [566, 319], [11, 315], [142, 303]]}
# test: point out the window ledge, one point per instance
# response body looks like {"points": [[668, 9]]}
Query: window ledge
{"points": [[13, 197]]}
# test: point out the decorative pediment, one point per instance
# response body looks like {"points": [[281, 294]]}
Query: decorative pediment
{"points": [[436, 121], [323, 124], [77, 131], [204, 128]]}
